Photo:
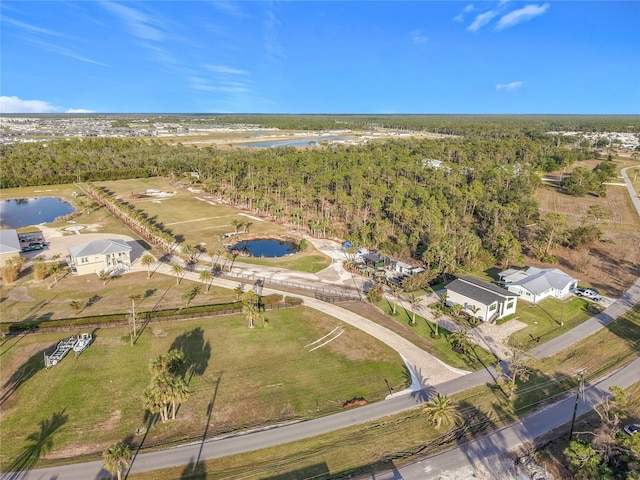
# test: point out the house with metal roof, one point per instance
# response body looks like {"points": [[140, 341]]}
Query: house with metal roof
{"points": [[483, 300], [111, 256], [535, 284], [9, 245]]}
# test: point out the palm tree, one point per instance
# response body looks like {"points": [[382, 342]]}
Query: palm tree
{"points": [[116, 458], [235, 223], [414, 301], [474, 309], [146, 261], [54, 269], [75, 305], [134, 299], [206, 276], [460, 341], [239, 290], [178, 270], [395, 293], [250, 307], [178, 392], [440, 410], [103, 276]]}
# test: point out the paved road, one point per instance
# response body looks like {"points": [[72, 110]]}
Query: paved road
{"points": [[481, 454]]}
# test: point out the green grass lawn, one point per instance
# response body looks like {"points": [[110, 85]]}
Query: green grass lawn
{"points": [[254, 377], [440, 347], [548, 319]]}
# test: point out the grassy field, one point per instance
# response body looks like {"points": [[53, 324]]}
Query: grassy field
{"points": [[612, 265], [28, 300], [548, 319], [254, 377], [390, 441], [196, 218]]}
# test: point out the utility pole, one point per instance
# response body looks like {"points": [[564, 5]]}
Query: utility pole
{"points": [[579, 393]]}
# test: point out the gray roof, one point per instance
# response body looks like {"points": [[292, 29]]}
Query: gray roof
{"points": [[99, 247], [539, 280], [482, 292], [9, 241]]}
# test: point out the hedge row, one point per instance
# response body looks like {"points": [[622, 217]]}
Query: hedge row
{"points": [[122, 318]]}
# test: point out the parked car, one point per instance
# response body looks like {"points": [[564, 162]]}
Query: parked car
{"points": [[590, 293], [632, 428]]}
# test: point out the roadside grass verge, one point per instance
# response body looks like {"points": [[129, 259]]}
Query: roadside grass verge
{"points": [[253, 377], [477, 359], [392, 441], [548, 319]]}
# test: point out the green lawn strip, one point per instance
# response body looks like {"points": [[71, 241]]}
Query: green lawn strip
{"points": [[441, 348], [258, 377], [548, 319], [335, 455]]}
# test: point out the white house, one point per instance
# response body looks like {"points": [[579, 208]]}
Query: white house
{"points": [[9, 245], [489, 302], [535, 284], [107, 255]]}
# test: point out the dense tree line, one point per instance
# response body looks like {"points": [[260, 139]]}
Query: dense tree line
{"points": [[459, 202]]}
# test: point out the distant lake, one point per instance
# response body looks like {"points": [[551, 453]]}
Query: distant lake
{"points": [[23, 212], [303, 142]]}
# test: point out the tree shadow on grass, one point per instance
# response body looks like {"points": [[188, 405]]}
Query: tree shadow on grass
{"points": [[197, 352], [40, 443], [23, 373]]}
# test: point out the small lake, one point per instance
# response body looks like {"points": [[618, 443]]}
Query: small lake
{"points": [[23, 212], [304, 142], [266, 247]]}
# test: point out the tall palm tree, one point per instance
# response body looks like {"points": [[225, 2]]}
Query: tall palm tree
{"points": [[178, 270], [206, 277], [250, 307], [134, 299], [395, 293], [440, 410], [146, 261], [116, 458], [414, 300], [178, 393], [235, 223]]}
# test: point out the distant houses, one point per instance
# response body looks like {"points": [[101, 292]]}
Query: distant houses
{"points": [[535, 284], [486, 302], [110, 256]]}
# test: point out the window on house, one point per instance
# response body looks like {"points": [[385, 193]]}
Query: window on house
{"points": [[510, 304], [492, 307]]}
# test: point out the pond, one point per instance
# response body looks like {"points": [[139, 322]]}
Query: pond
{"points": [[303, 142], [23, 212], [266, 247]]}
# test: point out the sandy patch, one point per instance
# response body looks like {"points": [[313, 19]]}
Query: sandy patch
{"points": [[20, 294]]}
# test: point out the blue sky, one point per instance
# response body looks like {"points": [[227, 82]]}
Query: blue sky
{"points": [[320, 57]]}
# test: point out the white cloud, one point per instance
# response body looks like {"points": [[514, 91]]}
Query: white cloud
{"points": [[481, 20], [78, 110], [418, 36], [521, 15], [226, 70], [460, 16], [139, 23], [509, 86], [17, 105], [33, 29]]}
